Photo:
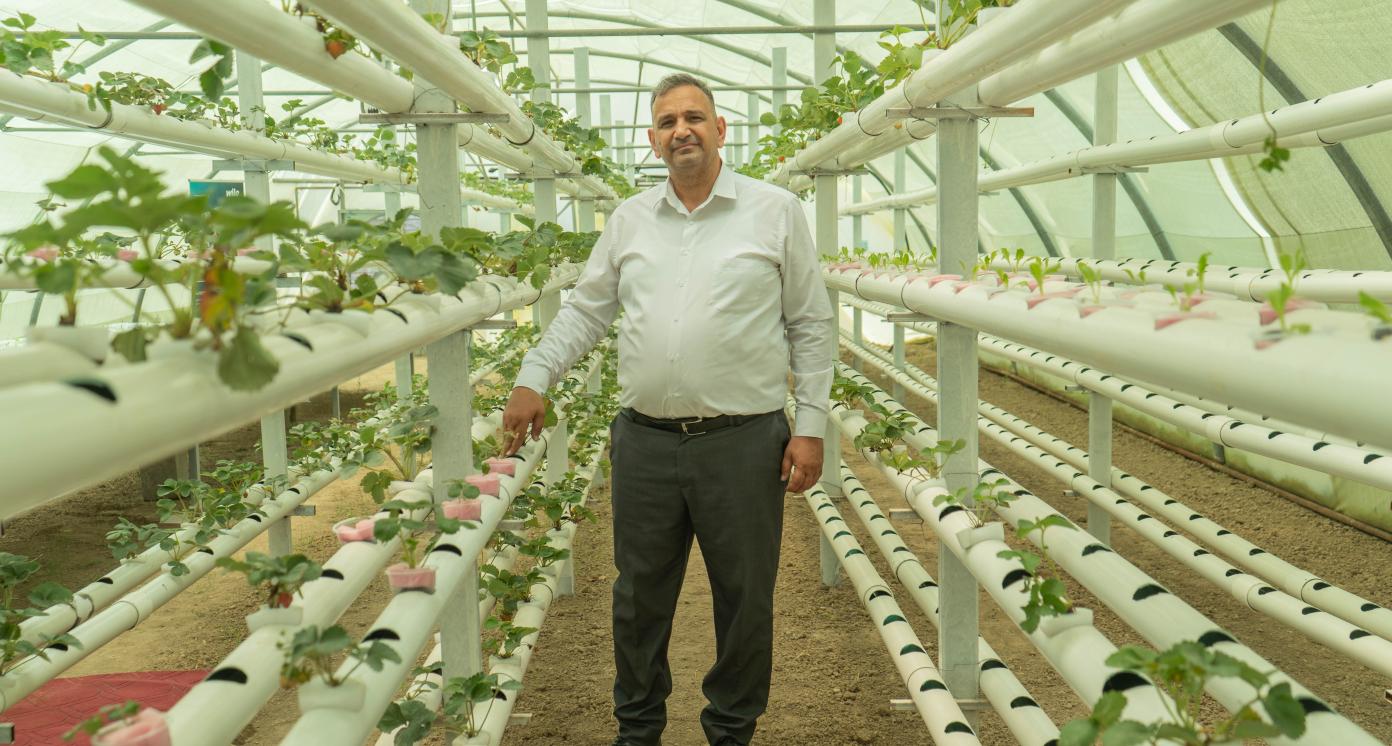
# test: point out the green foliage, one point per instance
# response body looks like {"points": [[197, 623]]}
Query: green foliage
{"points": [[1182, 672], [1047, 594], [1040, 268], [418, 536], [213, 79], [1279, 299], [562, 503], [1375, 308], [27, 50], [509, 588], [313, 652], [986, 497], [1093, 278], [16, 570], [280, 578], [886, 437], [504, 638]]}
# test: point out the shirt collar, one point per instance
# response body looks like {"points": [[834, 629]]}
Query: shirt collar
{"points": [[724, 187]]}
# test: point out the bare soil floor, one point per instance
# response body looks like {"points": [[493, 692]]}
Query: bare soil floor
{"points": [[833, 682]]}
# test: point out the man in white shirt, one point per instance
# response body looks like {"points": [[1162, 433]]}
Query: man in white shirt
{"points": [[722, 293]]}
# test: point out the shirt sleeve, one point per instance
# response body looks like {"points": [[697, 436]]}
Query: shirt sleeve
{"points": [[583, 319], [807, 317]]}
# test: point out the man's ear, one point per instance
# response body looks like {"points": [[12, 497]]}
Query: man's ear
{"points": [[720, 130], [652, 141]]}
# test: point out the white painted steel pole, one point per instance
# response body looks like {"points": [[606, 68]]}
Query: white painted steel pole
{"points": [[752, 105], [585, 208], [827, 240], [275, 460], [900, 357], [957, 370], [1104, 214], [779, 72], [901, 185]]}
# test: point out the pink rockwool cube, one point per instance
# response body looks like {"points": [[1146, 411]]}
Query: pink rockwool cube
{"points": [[1268, 314], [935, 279], [487, 484], [1175, 318], [465, 509], [403, 577], [145, 728], [504, 466], [354, 530]]}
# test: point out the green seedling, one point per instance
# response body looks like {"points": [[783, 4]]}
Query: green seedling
{"points": [[315, 653], [1047, 594], [279, 578]]}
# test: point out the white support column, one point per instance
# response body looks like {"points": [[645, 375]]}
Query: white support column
{"points": [[857, 329], [584, 208], [957, 377], [606, 118], [452, 453], [901, 185], [391, 202], [824, 48], [405, 372], [857, 220], [900, 357], [539, 59], [275, 457], [753, 113], [256, 183], [1103, 247], [780, 79]]}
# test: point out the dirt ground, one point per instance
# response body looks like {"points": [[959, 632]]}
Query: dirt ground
{"points": [[833, 682]]}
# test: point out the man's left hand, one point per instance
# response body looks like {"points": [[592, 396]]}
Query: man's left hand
{"points": [[802, 463]]}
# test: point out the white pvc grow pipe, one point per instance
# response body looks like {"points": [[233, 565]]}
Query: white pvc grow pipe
{"points": [[1021, 713], [137, 606], [406, 623], [1070, 644], [1210, 358], [1161, 617], [401, 33], [220, 706], [1027, 27], [59, 102], [1069, 465], [1319, 123], [162, 405], [935, 704]]}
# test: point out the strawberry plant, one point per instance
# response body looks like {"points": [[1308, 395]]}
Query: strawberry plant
{"points": [[458, 698], [279, 578], [418, 536], [1093, 278], [16, 570], [986, 497], [105, 716], [1048, 596], [314, 653], [1182, 672], [504, 638], [510, 589]]}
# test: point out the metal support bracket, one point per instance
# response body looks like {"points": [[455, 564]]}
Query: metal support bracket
{"points": [[901, 705], [399, 188], [519, 718], [905, 514], [815, 172], [7, 733], [495, 324], [1074, 388], [304, 510], [460, 117], [973, 705], [908, 317], [1070, 493], [254, 166], [1110, 170], [959, 112]]}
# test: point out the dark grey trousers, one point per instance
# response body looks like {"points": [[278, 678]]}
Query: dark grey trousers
{"points": [[723, 488]]}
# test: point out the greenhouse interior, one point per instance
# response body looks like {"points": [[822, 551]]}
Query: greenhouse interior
{"points": [[1066, 321]]}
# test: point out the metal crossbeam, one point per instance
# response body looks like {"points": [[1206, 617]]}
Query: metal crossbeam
{"points": [[959, 112], [463, 117]]}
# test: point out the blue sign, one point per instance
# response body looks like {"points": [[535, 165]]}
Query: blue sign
{"points": [[216, 191]]}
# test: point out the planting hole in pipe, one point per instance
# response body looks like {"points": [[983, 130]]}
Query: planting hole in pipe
{"points": [[1014, 576], [93, 386], [381, 634], [1168, 534], [911, 648], [1209, 639], [891, 619], [1265, 590], [234, 675], [1369, 607], [992, 664], [1232, 572], [881, 593], [839, 534], [1321, 585], [1358, 634], [927, 584], [957, 726], [1123, 680], [1312, 705], [1147, 591], [931, 685], [107, 581], [299, 340], [1019, 702], [1095, 548], [447, 548], [1308, 610], [331, 574]]}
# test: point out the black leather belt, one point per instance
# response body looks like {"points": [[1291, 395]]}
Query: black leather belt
{"points": [[692, 425]]}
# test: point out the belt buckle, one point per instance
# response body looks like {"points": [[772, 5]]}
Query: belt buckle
{"points": [[693, 422]]}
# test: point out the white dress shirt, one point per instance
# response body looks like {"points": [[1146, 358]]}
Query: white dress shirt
{"points": [[719, 302]]}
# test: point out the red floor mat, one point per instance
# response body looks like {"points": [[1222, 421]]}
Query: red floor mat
{"points": [[43, 717]]}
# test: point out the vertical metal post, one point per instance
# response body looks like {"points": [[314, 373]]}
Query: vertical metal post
{"points": [[957, 393], [857, 220], [391, 203], [899, 360], [463, 214], [585, 208], [405, 374], [275, 458], [606, 119], [452, 453], [1099, 523], [753, 105], [901, 185], [780, 79], [539, 59], [857, 335], [824, 47]]}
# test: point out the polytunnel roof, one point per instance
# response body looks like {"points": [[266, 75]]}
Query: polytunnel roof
{"points": [[1326, 202]]}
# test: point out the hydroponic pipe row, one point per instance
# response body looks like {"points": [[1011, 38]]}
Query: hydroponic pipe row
{"points": [[1071, 644], [1069, 465], [1021, 713], [1255, 283], [1078, 48], [406, 623], [1302, 584], [935, 704], [1158, 615], [493, 717], [1200, 355], [218, 708], [1325, 121], [42, 100], [162, 405], [138, 605], [276, 37]]}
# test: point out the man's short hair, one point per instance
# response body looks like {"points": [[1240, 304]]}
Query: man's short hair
{"points": [[677, 80]]}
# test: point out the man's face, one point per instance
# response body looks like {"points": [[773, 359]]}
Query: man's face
{"points": [[686, 133]]}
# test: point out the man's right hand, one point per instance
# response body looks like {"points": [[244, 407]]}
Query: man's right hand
{"points": [[525, 410]]}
